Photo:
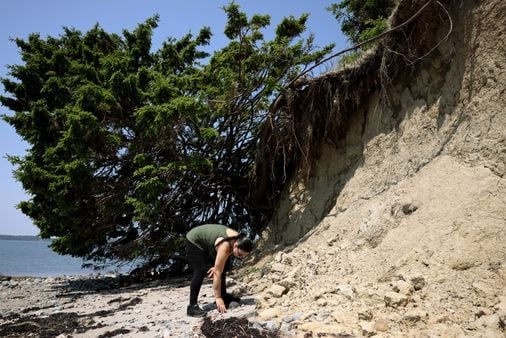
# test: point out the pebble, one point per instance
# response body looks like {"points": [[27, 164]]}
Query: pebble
{"points": [[293, 317], [272, 325], [381, 325], [418, 282]]}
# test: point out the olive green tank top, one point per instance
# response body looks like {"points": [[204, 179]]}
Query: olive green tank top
{"points": [[204, 236]]}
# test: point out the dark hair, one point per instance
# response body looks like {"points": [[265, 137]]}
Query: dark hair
{"points": [[245, 244]]}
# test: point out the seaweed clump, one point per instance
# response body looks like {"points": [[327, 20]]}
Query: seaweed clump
{"points": [[234, 327]]}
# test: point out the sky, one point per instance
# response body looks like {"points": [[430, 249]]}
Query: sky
{"points": [[20, 18]]}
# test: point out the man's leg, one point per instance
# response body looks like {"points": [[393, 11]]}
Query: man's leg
{"points": [[198, 262], [197, 279]]}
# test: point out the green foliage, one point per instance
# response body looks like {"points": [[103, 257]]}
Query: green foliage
{"points": [[131, 148], [374, 27], [349, 59], [362, 19]]}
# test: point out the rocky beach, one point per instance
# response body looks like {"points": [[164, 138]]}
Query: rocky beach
{"points": [[399, 231], [110, 306]]}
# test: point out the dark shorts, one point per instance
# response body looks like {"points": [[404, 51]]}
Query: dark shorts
{"points": [[198, 258]]}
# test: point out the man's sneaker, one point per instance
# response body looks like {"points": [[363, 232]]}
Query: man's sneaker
{"points": [[228, 299], [195, 311]]}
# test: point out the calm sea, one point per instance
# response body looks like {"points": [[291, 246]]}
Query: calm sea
{"points": [[34, 258]]}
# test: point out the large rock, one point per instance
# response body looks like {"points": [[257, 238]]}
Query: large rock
{"points": [[277, 290]]}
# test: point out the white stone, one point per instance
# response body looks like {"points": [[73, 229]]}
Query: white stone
{"points": [[277, 290]]}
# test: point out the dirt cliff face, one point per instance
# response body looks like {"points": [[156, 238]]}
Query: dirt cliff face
{"points": [[400, 229]]}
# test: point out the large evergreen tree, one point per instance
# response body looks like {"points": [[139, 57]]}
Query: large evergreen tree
{"points": [[362, 19], [131, 148]]}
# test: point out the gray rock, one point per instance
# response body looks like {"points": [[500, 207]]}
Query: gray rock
{"points": [[272, 325], [293, 317]]}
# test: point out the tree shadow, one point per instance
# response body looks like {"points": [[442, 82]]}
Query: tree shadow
{"points": [[80, 286]]}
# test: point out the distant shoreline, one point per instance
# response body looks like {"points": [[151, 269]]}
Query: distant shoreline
{"points": [[21, 238]]}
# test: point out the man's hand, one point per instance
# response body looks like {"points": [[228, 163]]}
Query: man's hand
{"points": [[220, 304], [210, 272]]}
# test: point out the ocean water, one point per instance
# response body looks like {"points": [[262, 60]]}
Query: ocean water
{"points": [[34, 258]]}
